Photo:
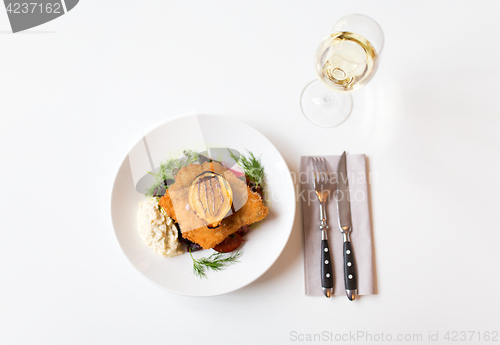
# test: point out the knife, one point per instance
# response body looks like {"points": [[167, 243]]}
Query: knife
{"points": [[345, 225]]}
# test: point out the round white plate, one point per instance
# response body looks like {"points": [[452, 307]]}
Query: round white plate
{"points": [[263, 244]]}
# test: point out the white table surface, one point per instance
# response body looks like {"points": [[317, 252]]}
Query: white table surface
{"points": [[74, 91]]}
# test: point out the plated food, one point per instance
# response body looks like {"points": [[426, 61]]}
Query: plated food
{"points": [[263, 243], [198, 203]]}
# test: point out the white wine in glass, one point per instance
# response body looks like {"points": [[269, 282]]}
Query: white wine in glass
{"points": [[345, 61]]}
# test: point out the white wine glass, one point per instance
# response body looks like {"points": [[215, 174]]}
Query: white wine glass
{"points": [[345, 61]]}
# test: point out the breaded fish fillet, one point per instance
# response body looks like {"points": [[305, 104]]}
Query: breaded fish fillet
{"points": [[248, 205]]}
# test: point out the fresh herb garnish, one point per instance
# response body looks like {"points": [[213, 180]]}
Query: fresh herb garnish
{"points": [[169, 169], [215, 262], [252, 167]]}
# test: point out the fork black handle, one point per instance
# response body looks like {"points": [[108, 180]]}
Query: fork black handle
{"points": [[326, 268]]}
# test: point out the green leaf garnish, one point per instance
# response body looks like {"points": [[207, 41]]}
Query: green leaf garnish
{"points": [[169, 169], [252, 167], [215, 262]]}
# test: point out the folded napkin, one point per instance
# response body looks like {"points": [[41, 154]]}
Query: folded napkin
{"points": [[361, 235]]}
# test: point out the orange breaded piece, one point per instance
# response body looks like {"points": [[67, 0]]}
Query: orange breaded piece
{"points": [[253, 211], [249, 207], [179, 193]]}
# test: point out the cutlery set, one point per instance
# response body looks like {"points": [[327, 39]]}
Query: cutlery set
{"points": [[322, 187]]}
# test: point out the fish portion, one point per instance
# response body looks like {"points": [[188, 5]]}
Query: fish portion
{"points": [[247, 206]]}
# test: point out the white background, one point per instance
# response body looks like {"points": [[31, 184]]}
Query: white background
{"points": [[73, 92]]}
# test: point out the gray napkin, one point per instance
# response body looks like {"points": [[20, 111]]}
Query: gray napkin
{"points": [[361, 235]]}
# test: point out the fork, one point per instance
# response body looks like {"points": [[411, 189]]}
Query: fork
{"points": [[322, 187]]}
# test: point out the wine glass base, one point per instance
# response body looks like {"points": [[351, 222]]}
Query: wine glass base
{"points": [[323, 107]]}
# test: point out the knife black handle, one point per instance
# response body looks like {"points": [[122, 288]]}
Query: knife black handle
{"points": [[350, 279], [326, 266]]}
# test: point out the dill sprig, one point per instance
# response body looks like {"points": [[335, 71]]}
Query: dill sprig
{"points": [[215, 262], [168, 170], [252, 167]]}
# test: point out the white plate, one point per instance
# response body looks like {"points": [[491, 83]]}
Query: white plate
{"points": [[263, 244]]}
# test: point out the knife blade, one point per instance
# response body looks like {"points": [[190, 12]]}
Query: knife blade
{"points": [[345, 225]]}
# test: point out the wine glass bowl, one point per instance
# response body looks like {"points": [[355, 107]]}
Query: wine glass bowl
{"points": [[345, 61]]}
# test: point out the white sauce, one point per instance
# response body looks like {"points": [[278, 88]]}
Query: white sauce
{"points": [[157, 230]]}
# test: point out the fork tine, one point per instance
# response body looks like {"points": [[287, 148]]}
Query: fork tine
{"points": [[327, 172], [319, 169], [315, 171]]}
